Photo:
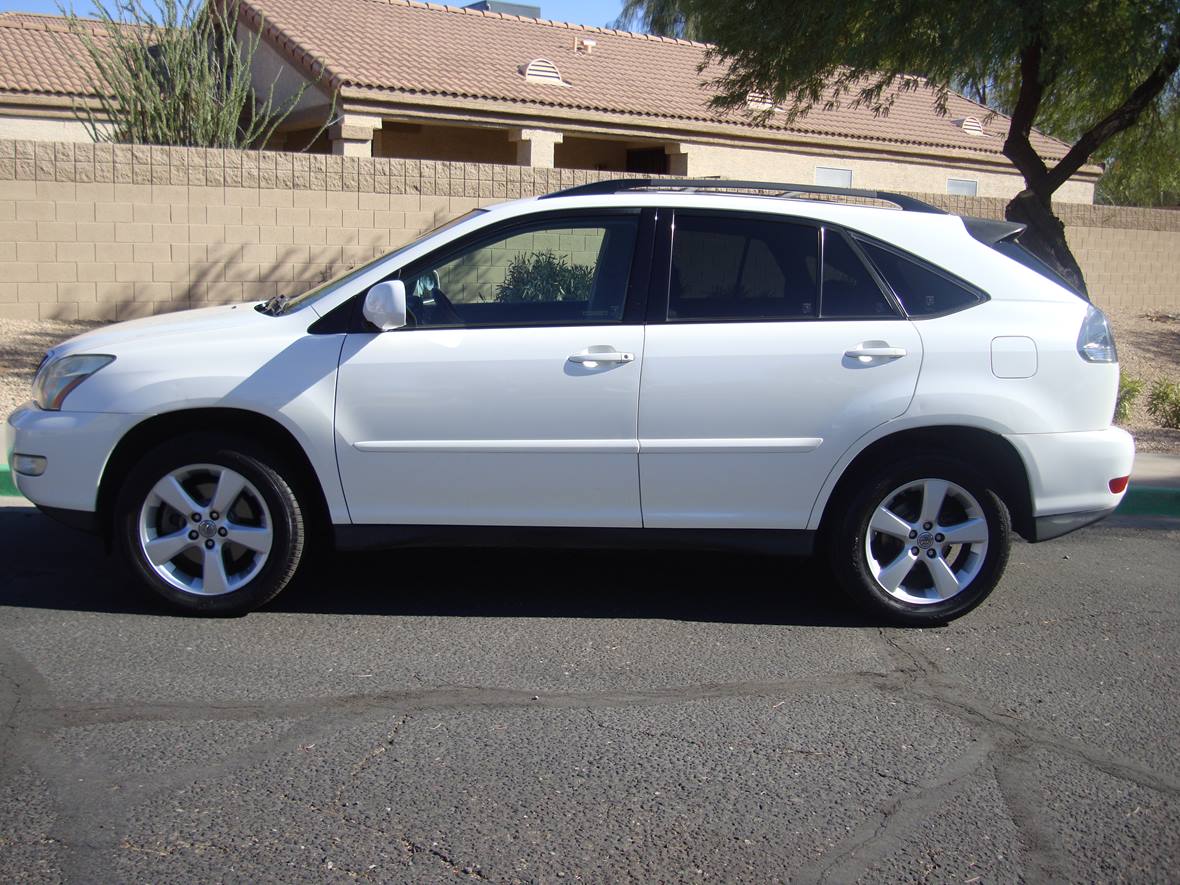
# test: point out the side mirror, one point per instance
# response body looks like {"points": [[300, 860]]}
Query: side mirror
{"points": [[385, 305]]}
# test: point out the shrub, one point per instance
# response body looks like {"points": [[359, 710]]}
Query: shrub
{"points": [[173, 73], [1163, 403], [543, 276], [1129, 390]]}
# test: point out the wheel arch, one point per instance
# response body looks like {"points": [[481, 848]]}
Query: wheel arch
{"points": [[234, 422], [988, 452]]}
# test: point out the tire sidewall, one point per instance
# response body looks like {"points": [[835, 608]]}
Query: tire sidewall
{"points": [[238, 455], [850, 558]]}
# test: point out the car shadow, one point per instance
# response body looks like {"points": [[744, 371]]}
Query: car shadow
{"points": [[52, 567]]}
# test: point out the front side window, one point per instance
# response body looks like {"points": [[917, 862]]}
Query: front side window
{"points": [[734, 268], [342, 279], [567, 272]]}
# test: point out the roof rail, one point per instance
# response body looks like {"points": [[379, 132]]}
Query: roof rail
{"points": [[617, 185]]}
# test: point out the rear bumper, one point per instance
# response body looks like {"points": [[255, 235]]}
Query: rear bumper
{"points": [[1045, 528], [1069, 476]]}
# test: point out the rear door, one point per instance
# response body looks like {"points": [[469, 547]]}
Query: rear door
{"points": [[770, 349]]}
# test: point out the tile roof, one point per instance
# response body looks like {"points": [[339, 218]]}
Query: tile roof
{"points": [[411, 48], [38, 54]]}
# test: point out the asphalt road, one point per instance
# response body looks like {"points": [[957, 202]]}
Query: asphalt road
{"points": [[438, 715]]}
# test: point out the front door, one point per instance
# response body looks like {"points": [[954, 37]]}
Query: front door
{"points": [[774, 350], [512, 398]]}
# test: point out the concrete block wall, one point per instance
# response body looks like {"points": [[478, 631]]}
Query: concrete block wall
{"points": [[109, 232]]}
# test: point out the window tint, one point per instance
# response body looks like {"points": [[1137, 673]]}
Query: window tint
{"points": [[922, 291], [574, 271], [849, 288], [738, 268]]}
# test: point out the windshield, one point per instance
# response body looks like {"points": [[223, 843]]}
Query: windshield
{"points": [[294, 302]]}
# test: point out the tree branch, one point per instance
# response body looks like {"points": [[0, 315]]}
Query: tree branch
{"points": [[1122, 117], [1018, 146]]}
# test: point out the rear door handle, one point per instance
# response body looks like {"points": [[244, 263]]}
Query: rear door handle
{"points": [[602, 356], [864, 354]]}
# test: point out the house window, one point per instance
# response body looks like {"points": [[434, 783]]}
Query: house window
{"points": [[962, 187], [830, 176]]}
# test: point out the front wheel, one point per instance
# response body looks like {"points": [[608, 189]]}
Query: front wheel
{"points": [[923, 543], [208, 524]]}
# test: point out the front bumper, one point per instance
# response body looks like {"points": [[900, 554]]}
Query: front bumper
{"points": [[1069, 476], [76, 446]]}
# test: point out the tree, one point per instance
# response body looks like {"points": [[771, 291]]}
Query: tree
{"points": [[1143, 164], [177, 73], [667, 18], [1112, 59]]}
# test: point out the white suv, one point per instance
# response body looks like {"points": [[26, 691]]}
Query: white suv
{"points": [[627, 362]]}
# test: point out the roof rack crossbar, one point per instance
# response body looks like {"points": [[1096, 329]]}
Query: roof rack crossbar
{"points": [[617, 185]]}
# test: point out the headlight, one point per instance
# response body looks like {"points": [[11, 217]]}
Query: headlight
{"points": [[56, 378], [1095, 341]]}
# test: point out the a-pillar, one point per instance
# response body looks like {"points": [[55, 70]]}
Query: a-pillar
{"points": [[534, 147], [352, 135]]}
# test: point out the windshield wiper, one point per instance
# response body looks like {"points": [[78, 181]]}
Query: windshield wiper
{"points": [[273, 306]]}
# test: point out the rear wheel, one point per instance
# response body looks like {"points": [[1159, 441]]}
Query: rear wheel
{"points": [[209, 525], [924, 542]]}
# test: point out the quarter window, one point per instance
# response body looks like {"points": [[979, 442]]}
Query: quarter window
{"points": [[564, 273], [921, 290], [732, 268]]}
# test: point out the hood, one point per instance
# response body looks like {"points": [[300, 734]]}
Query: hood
{"points": [[109, 339]]}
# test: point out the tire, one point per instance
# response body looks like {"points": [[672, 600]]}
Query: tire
{"points": [[872, 544], [257, 537]]}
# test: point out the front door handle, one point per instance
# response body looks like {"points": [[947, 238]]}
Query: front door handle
{"points": [[594, 357], [874, 350]]}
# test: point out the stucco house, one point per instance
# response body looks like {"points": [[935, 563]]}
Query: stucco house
{"points": [[426, 81]]}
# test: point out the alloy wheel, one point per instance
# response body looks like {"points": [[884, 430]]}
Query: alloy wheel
{"points": [[926, 541], [205, 529]]}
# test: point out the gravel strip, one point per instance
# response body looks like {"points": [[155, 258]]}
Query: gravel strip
{"points": [[1149, 348]]}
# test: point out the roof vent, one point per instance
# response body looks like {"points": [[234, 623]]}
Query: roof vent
{"points": [[971, 125], [541, 70], [757, 100]]}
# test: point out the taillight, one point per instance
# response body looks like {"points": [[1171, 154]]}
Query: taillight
{"points": [[1095, 341], [1118, 485]]}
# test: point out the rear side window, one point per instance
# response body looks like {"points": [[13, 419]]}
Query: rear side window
{"points": [[921, 290], [850, 292], [733, 268]]}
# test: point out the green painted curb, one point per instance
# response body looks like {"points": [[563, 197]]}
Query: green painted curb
{"points": [[7, 486], [1150, 501]]}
